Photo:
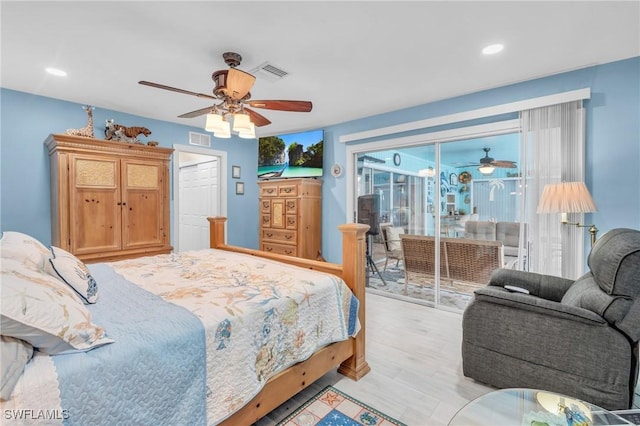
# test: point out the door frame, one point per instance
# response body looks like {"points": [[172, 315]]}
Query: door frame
{"points": [[221, 157]]}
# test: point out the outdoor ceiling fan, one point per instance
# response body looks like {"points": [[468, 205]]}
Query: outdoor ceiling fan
{"points": [[489, 161], [231, 91], [487, 164]]}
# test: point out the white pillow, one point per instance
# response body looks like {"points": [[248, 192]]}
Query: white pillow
{"points": [[45, 312], [64, 265], [23, 248], [15, 354]]}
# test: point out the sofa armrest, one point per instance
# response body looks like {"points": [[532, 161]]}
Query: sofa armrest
{"points": [[539, 305], [545, 286]]}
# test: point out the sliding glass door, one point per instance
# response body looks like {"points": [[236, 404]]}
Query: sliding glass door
{"points": [[437, 195]]}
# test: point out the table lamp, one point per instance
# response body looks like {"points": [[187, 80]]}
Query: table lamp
{"points": [[568, 197]]}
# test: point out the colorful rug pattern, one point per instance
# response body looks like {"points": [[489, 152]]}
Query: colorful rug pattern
{"points": [[330, 407]]}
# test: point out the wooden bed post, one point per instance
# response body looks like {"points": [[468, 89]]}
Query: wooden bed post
{"points": [[354, 270], [216, 231]]}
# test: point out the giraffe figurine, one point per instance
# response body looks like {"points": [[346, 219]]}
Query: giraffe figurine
{"points": [[86, 131]]}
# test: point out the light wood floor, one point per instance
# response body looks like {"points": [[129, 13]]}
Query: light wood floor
{"points": [[416, 366]]}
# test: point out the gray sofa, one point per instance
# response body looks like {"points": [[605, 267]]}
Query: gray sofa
{"points": [[578, 338], [507, 232]]}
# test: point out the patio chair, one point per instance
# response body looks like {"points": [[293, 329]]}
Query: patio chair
{"points": [[391, 240]]}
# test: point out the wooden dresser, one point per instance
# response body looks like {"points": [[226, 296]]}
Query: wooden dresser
{"points": [[109, 200], [290, 217]]}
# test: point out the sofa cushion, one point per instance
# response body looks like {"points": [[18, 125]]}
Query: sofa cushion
{"points": [[480, 230], [585, 293], [614, 261], [509, 234], [393, 237]]}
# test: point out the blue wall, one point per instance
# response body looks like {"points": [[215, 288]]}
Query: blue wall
{"points": [[26, 122], [612, 142]]}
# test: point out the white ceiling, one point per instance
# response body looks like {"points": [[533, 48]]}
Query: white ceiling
{"points": [[351, 59]]}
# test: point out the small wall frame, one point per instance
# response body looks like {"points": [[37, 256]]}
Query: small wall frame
{"points": [[235, 172], [239, 188]]}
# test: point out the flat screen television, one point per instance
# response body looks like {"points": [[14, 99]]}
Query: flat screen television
{"points": [[291, 155]]}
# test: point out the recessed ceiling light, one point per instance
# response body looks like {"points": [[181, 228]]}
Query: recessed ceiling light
{"points": [[56, 72], [492, 49]]}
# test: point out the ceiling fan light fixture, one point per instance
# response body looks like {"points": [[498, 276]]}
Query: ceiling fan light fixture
{"points": [[224, 132], [486, 169], [215, 123], [248, 134], [241, 123], [428, 172]]}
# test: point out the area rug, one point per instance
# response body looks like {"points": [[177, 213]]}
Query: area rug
{"points": [[330, 407], [420, 289]]}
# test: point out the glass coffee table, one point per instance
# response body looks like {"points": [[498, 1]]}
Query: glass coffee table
{"points": [[531, 407]]}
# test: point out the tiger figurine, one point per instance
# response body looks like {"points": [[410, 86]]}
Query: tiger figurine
{"points": [[118, 132]]}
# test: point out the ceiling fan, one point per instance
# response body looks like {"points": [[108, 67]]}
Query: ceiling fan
{"points": [[232, 92], [490, 162]]}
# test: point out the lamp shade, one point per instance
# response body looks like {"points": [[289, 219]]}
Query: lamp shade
{"points": [[486, 169], [248, 134], [214, 123], [241, 123], [566, 197], [224, 132]]}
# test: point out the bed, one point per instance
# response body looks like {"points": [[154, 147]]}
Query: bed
{"points": [[248, 330]]}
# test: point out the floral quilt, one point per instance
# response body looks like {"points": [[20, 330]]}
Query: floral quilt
{"points": [[260, 316]]}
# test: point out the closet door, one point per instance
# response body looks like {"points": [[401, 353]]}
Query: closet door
{"points": [[143, 213], [94, 200]]}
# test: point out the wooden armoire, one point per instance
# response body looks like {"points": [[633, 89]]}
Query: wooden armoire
{"points": [[290, 217], [109, 200]]}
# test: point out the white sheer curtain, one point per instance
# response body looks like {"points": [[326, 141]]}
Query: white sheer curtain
{"points": [[553, 139]]}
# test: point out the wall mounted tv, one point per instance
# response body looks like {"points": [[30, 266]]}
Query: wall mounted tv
{"points": [[292, 155]]}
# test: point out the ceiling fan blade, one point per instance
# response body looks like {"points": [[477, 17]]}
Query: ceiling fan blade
{"points": [[257, 119], [505, 164], [297, 106], [175, 89], [239, 83], [196, 113]]}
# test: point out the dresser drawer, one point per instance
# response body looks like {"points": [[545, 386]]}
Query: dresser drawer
{"points": [[265, 206], [279, 235], [279, 249], [291, 206], [291, 222], [269, 190], [290, 190]]}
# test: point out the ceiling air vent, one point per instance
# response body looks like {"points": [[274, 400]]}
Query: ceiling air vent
{"points": [[199, 139], [269, 72]]}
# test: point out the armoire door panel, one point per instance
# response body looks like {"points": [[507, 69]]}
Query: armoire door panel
{"points": [[142, 219], [142, 204], [95, 221], [94, 195]]}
